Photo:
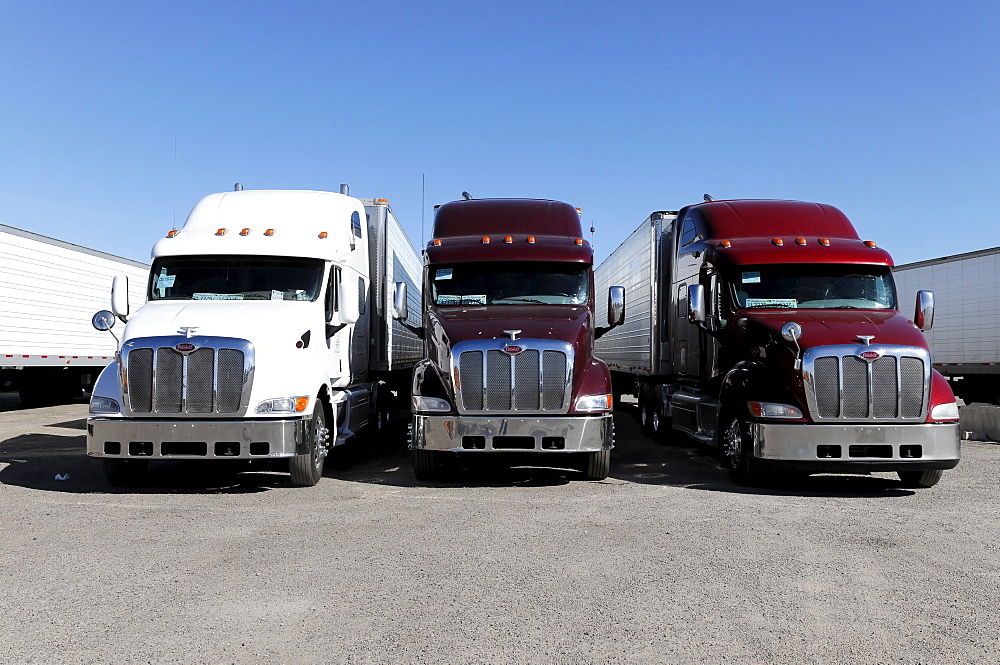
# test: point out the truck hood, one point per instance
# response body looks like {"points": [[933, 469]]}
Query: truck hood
{"points": [[827, 326], [256, 320], [569, 323]]}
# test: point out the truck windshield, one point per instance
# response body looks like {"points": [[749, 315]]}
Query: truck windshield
{"points": [[495, 283], [235, 278], [805, 286]]}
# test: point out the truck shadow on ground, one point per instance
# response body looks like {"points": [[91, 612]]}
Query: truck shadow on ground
{"points": [[636, 459]]}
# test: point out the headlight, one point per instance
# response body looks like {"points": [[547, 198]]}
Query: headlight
{"points": [[773, 410], [423, 404], [104, 405], [283, 405], [947, 411], [594, 403]]}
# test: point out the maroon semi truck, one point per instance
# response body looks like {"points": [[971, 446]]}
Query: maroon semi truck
{"points": [[509, 333], [769, 331]]}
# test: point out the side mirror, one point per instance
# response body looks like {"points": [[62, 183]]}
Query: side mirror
{"points": [[103, 320], [924, 315], [350, 307], [400, 308], [696, 304], [616, 306], [119, 297]]}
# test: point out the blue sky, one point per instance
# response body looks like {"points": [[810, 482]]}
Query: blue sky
{"points": [[116, 117]]}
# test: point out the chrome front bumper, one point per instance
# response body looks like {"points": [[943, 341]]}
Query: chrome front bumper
{"points": [[498, 434], [863, 447], [187, 439]]}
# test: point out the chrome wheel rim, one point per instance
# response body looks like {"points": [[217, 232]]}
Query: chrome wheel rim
{"points": [[732, 443]]}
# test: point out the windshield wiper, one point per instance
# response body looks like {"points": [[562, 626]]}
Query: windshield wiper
{"points": [[520, 299]]}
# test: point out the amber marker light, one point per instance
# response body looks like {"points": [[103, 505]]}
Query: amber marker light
{"points": [[301, 403], [173, 234], [323, 235], [725, 244], [437, 242], [269, 232], [221, 232], [579, 241], [870, 244], [825, 242], [800, 241], [508, 239], [531, 240], [245, 232], [778, 241], [486, 240]]}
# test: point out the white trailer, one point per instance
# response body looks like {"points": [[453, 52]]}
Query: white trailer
{"points": [[965, 338], [275, 327], [49, 290]]}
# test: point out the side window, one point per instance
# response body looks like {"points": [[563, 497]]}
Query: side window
{"points": [[362, 296], [682, 294], [333, 293], [689, 232], [356, 224]]}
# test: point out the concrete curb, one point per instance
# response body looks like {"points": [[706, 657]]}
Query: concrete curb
{"points": [[980, 422]]}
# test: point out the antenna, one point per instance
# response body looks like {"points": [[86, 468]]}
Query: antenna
{"points": [[466, 196], [423, 196]]}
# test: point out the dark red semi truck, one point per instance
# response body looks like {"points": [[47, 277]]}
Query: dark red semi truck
{"points": [[509, 333], [769, 331]]}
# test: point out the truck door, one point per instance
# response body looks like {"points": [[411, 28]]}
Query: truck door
{"points": [[686, 351]]}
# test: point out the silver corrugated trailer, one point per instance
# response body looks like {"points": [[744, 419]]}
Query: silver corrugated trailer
{"points": [[639, 346], [49, 290], [965, 338], [393, 259]]}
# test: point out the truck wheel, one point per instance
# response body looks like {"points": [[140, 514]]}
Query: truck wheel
{"points": [[425, 464], [306, 470], [735, 448], [124, 472], [920, 479], [647, 408], [597, 466]]}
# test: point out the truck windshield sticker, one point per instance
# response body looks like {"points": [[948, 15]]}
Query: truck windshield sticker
{"points": [[216, 296], [443, 273], [277, 295], [751, 278], [444, 299], [777, 303]]}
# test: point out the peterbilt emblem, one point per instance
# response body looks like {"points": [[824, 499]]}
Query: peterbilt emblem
{"points": [[866, 339], [185, 347], [512, 349], [870, 355], [513, 334]]}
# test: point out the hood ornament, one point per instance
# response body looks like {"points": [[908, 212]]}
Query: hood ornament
{"points": [[866, 339], [188, 331], [513, 334]]}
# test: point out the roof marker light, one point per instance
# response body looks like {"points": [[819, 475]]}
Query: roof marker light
{"points": [[221, 232], [381, 200], [871, 244], [172, 234], [269, 232], [245, 232], [579, 241], [725, 244], [323, 235], [437, 242], [778, 241], [486, 240], [800, 241], [825, 242], [508, 239], [531, 239]]}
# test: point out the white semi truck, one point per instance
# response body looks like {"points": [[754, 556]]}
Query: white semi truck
{"points": [[49, 290], [965, 342], [272, 330]]}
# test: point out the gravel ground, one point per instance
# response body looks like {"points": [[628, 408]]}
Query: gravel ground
{"points": [[664, 562]]}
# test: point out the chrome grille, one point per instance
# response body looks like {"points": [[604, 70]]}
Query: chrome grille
{"points": [[842, 385], [213, 379], [532, 380]]}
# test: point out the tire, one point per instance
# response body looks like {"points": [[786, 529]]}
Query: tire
{"points": [[736, 450], [306, 470], [425, 464], [920, 479], [124, 472], [597, 465]]}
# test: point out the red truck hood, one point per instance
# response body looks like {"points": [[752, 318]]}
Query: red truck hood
{"points": [[829, 326], [570, 323]]}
